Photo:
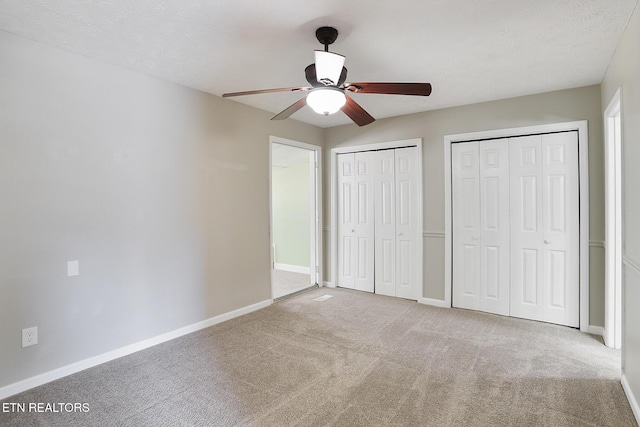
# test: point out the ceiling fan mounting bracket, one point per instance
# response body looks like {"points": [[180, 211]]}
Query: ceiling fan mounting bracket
{"points": [[326, 36]]}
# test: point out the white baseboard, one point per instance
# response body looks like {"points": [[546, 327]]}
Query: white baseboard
{"points": [[329, 284], [292, 268], [81, 365], [595, 330], [434, 302], [630, 397]]}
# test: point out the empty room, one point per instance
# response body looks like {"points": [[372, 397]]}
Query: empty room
{"points": [[342, 213]]}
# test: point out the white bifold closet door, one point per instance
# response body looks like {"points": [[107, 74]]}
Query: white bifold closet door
{"points": [[356, 221], [516, 227], [378, 222], [481, 226], [545, 228], [396, 222]]}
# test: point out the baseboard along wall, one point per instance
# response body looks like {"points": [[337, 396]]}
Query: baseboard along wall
{"points": [[292, 268], [38, 380], [631, 397]]}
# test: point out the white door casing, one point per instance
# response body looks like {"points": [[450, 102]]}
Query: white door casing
{"points": [[613, 222]]}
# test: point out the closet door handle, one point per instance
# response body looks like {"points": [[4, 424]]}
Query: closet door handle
{"points": [[546, 242], [400, 234]]}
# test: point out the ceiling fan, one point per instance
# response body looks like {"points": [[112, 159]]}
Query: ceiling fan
{"points": [[327, 93]]}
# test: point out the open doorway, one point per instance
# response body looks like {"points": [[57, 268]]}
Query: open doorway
{"points": [[613, 223], [295, 220]]}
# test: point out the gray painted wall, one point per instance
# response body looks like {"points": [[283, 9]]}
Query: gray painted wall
{"points": [[155, 188], [553, 107], [624, 73]]}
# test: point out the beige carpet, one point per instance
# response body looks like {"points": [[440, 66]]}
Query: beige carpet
{"points": [[286, 282], [353, 360]]}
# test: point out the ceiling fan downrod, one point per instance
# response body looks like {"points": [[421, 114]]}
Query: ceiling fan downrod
{"points": [[326, 36]]}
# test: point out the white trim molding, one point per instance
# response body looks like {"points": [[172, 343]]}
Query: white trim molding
{"points": [[329, 284], [81, 365], [292, 268], [630, 397], [596, 244], [583, 161], [612, 119]]}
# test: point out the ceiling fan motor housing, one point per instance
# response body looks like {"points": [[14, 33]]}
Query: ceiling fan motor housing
{"points": [[326, 36]]}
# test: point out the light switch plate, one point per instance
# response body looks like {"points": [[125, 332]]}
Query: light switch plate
{"points": [[73, 268]]}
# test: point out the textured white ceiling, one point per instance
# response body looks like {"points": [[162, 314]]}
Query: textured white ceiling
{"points": [[470, 50]]}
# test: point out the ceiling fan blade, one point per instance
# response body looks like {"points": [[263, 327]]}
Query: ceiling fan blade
{"points": [[290, 109], [255, 92], [420, 89], [357, 113]]}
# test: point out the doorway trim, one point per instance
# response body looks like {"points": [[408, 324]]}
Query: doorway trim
{"points": [[613, 222], [333, 214], [315, 265], [583, 164]]}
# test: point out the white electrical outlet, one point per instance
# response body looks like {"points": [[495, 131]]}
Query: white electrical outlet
{"points": [[29, 336], [73, 268]]}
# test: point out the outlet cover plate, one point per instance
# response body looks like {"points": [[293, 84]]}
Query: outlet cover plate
{"points": [[29, 336], [73, 268]]}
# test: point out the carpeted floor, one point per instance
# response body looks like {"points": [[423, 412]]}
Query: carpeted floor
{"points": [[352, 360], [287, 282]]}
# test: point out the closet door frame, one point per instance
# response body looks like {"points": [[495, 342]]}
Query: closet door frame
{"points": [[332, 231], [583, 164]]}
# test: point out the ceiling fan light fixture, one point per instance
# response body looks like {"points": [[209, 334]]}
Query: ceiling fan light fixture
{"points": [[326, 100], [328, 67]]}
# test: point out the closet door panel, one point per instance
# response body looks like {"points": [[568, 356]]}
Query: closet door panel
{"points": [[364, 221], [407, 249], [560, 234], [526, 217], [494, 225], [466, 225], [346, 221], [385, 222]]}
